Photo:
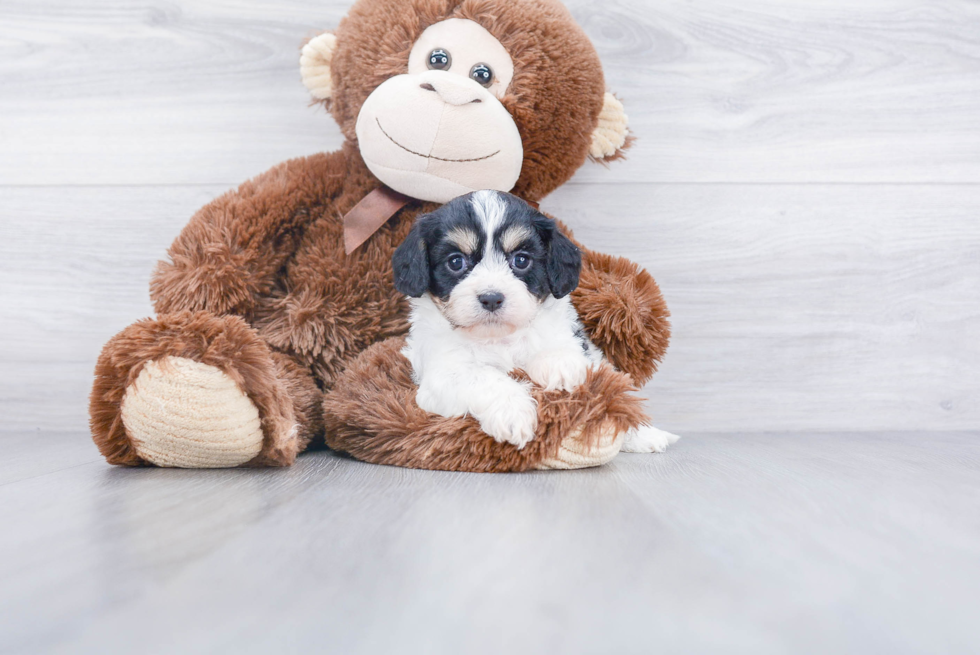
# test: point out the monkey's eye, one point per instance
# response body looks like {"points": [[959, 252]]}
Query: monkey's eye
{"points": [[521, 261], [440, 60], [482, 74], [456, 263]]}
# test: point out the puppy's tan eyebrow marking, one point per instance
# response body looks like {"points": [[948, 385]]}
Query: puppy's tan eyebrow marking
{"points": [[464, 239], [514, 236]]}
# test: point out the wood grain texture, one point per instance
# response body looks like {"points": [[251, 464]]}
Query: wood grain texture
{"points": [[794, 307], [804, 307], [75, 266], [111, 92], [116, 92], [729, 543], [794, 91]]}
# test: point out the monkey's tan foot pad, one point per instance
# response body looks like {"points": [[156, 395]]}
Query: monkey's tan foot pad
{"points": [[371, 414], [182, 413], [577, 453]]}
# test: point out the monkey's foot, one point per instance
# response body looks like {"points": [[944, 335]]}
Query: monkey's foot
{"points": [[195, 390], [182, 413], [574, 453]]}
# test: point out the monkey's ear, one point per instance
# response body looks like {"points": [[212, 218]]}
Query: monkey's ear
{"points": [[611, 136], [314, 65]]}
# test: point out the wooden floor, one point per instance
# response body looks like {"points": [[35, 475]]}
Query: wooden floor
{"points": [[747, 543], [806, 189]]}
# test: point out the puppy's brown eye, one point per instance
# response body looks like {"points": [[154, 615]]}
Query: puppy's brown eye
{"points": [[483, 74], [521, 262], [456, 263], [440, 60]]}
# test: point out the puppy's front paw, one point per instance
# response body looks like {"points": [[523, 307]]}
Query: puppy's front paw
{"points": [[555, 369], [513, 418], [438, 401], [648, 439]]}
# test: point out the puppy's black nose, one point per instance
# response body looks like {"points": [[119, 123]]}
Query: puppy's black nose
{"points": [[491, 301]]}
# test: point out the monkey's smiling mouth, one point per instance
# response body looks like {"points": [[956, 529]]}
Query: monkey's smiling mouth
{"points": [[419, 154]]}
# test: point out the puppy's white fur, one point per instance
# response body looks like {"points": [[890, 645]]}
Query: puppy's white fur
{"points": [[461, 354], [459, 374]]}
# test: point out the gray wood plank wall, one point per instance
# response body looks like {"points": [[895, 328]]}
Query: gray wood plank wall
{"points": [[806, 188]]}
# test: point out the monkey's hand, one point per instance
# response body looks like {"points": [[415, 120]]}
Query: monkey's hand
{"points": [[623, 312]]}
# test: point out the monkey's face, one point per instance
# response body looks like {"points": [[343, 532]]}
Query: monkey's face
{"points": [[443, 97], [440, 131]]}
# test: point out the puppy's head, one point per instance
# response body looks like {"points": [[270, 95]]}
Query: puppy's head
{"points": [[488, 260]]}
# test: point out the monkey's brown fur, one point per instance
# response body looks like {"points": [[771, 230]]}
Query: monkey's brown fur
{"points": [[377, 396], [258, 284]]}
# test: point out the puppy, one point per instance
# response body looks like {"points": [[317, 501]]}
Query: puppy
{"points": [[489, 278]]}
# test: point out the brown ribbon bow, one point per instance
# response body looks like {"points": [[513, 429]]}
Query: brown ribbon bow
{"points": [[372, 212], [369, 215]]}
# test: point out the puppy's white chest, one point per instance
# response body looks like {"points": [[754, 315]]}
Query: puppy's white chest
{"points": [[502, 354]]}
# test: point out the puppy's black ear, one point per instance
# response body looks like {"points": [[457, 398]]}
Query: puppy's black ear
{"points": [[564, 265], [564, 257], [411, 263]]}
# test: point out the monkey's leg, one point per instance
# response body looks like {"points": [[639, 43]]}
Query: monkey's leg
{"points": [[371, 413], [195, 390]]}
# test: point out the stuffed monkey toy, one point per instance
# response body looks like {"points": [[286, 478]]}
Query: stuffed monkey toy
{"points": [[278, 326]]}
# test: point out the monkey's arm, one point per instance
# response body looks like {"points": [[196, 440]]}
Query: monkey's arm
{"points": [[623, 311], [232, 249]]}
